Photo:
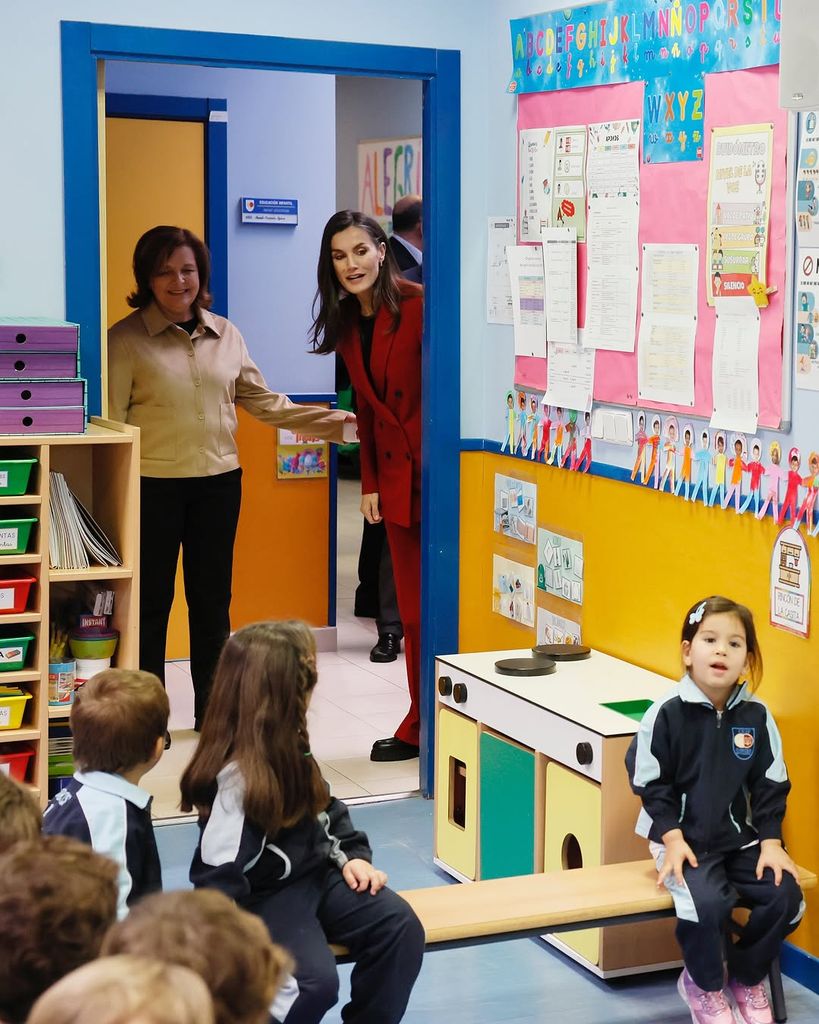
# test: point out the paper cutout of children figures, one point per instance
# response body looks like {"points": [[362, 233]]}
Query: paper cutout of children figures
{"points": [[756, 471], [585, 457], [652, 447], [571, 448], [738, 466], [557, 450], [545, 434], [702, 463], [687, 461], [775, 473], [720, 468], [791, 499], [520, 447], [670, 451], [811, 482], [533, 424], [509, 430], [641, 438]]}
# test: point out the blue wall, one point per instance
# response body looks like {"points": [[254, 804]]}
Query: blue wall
{"points": [[281, 143]]}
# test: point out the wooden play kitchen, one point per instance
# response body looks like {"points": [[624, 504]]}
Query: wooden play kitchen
{"points": [[530, 777]]}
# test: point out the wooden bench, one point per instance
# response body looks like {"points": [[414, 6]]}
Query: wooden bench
{"points": [[532, 905]]}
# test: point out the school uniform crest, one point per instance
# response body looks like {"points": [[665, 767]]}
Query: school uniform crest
{"points": [[744, 741]]}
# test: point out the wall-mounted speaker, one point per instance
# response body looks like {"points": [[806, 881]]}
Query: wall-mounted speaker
{"points": [[799, 55]]}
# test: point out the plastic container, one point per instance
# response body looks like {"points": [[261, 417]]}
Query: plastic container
{"points": [[87, 667], [14, 594], [15, 475], [61, 679], [12, 705], [98, 645], [13, 652], [14, 759], [15, 535]]}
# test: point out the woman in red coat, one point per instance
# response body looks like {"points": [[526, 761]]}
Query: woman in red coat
{"points": [[375, 323]]}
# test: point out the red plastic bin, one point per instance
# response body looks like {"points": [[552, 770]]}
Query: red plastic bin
{"points": [[14, 594], [14, 759]]}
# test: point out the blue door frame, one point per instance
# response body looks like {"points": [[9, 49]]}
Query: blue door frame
{"points": [[212, 113], [84, 43]]}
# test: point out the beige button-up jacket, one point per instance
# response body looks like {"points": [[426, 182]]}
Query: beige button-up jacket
{"points": [[182, 393]]}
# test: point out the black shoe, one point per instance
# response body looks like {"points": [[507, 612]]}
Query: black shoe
{"points": [[393, 749], [387, 649]]}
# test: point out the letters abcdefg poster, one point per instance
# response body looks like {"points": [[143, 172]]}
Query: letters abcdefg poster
{"points": [[387, 170]]}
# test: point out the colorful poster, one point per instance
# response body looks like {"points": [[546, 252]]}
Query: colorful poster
{"points": [[536, 175], [387, 170], [807, 180], [739, 206], [513, 590], [516, 506], [790, 583], [807, 319], [569, 196], [674, 108], [554, 629], [634, 40], [560, 566], [299, 456]]}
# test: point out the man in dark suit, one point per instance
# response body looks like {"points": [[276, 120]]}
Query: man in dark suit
{"points": [[407, 240]]}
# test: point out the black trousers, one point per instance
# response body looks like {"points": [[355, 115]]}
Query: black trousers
{"points": [[376, 589], [200, 514], [715, 887], [382, 933]]}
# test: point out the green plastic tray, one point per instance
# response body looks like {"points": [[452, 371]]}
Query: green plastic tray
{"points": [[13, 652], [14, 475], [15, 535], [634, 709]]}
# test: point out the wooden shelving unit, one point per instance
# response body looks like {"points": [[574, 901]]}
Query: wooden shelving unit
{"points": [[102, 468]]}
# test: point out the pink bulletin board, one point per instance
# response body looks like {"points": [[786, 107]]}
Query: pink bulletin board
{"points": [[673, 201]]}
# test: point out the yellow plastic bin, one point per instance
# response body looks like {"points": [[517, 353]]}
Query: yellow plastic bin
{"points": [[12, 705]]}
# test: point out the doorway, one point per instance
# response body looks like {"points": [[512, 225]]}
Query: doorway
{"points": [[84, 45]]}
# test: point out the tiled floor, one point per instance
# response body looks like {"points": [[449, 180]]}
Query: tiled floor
{"points": [[355, 703]]}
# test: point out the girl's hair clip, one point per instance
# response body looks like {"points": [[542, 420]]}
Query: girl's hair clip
{"points": [[697, 614]]}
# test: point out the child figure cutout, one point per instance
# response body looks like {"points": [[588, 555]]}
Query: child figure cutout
{"points": [[652, 448], [545, 434], [811, 482], [702, 460], [571, 449], [585, 458], [687, 461], [720, 467], [520, 447], [670, 451], [775, 474], [792, 490], [756, 471], [641, 437], [557, 451], [738, 466], [533, 424], [509, 429]]}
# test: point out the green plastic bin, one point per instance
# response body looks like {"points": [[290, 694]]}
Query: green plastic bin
{"points": [[634, 709], [13, 652], [14, 475], [15, 535]]}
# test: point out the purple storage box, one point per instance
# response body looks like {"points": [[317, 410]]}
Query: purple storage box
{"points": [[41, 394], [28, 365], [66, 420], [37, 334]]}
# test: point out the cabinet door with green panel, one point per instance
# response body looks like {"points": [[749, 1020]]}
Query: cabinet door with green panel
{"points": [[507, 807]]}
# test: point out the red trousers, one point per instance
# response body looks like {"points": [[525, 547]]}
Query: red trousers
{"points": [[405, 549]]}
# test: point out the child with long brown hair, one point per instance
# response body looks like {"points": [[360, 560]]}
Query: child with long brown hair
{"points": [[273, 839]]}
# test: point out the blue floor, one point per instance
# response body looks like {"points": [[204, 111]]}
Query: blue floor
{"points": [[518, 982]]}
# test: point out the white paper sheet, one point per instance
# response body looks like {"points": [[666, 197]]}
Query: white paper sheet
{"points": [[613, 167], [498, 286], [536, 151], [560, 273], [613, 264], [570, 376], [735, 367], [668, 324], [528, 301]]}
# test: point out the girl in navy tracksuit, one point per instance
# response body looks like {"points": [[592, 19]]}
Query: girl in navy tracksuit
{"points": [[273, 839], [707, 765]]}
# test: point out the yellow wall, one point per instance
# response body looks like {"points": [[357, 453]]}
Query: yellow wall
{"points": [[648, 558]]}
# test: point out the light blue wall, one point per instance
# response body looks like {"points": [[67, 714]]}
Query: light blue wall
{"points": [[281, 143]]}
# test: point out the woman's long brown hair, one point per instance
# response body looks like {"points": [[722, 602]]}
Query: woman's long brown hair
{"points": [[257, 719]]}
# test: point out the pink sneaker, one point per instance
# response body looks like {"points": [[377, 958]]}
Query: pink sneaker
{"points": [[705, 1007], [752, 1002]]}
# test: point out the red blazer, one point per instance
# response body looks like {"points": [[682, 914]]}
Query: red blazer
{"points": [[389, 416]]}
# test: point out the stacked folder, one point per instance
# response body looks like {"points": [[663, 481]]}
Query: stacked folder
{"points": [[75, 539]]}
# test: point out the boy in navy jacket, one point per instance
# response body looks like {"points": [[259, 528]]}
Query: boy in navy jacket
{"points": [[118, 722]]}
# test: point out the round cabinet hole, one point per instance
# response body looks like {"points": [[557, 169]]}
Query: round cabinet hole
{"points": [[25, 395], [571, 855], [27, 421], [20, 339], [19, 365]]}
